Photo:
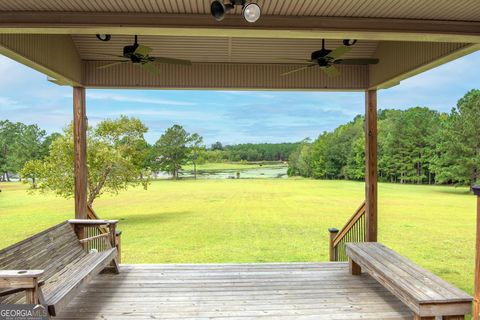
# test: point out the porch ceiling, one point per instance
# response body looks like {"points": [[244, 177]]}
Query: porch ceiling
{"points": [[218, 49], [458, 10], [57, 37]]}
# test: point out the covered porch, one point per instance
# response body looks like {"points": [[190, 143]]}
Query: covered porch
{"points": [[407, 38]]}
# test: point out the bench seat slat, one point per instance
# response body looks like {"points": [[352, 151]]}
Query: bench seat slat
{"points": [[423, 292], [416, 281], [71, 283], [426, 281]]}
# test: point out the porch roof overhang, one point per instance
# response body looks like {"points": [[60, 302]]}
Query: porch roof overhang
{"points": [[408, 37]]}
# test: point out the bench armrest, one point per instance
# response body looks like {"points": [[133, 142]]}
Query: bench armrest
{"points": [[22, 280], [4, 274]]}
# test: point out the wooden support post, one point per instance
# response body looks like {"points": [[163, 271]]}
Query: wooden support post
{"points": [[355, 269], [119, 246], [333, 234], [476, 296], [80, 152], [31, 294], [371, 195]]}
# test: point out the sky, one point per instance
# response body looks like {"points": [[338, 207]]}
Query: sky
{"points": [[228, 116]]}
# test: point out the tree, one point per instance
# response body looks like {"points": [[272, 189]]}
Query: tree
{"points": [[114, 161], [216, 146], [458, 157], [9, 133], [300, 160], [173, 149], [196, 147], [18, 144]]}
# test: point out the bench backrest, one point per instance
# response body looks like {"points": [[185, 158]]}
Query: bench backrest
{"points": [[49, 250]]}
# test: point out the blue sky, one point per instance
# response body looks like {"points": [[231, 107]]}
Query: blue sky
{"points": [[227, 116]]}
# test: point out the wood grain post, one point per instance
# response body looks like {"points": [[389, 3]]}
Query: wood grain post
{"points": [[333, 234], [371, 175], [476, 300], [355, 269], [80, 152], [119, 246], [31, 294]]}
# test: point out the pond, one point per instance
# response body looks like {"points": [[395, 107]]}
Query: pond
{"points": [[275, 172]]}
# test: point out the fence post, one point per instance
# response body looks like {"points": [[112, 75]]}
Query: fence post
{"points": [[333, 234], [476, 301]]}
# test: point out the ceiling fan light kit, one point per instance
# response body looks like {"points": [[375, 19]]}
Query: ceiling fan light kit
{"points": [[250, 11]]}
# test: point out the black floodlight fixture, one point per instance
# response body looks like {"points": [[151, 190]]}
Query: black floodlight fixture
{"points": [[250, 11], [104, 37], [218, 9]]}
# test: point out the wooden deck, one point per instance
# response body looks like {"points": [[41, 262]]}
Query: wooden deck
{"points": [[236, 291]]}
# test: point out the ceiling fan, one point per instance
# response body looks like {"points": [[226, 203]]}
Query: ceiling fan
{"points": [[140, 55], [327, 59]]}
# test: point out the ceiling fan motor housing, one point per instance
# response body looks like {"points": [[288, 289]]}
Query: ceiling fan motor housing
{"points": [[320, 57], [129, 52]]}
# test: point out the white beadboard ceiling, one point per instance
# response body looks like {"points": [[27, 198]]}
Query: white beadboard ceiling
{"points": [[217, 49]]}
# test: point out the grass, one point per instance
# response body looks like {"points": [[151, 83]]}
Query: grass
{"points": [[263, 220]]}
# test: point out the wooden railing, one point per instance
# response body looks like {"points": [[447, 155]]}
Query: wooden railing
{"points": [[353, 231], [99, 232]]}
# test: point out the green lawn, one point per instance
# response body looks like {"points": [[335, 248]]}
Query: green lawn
{"points": [[263, 220]]}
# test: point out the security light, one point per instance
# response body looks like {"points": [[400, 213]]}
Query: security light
{"points": [[104, 37], [250, 11], [218, 9]]}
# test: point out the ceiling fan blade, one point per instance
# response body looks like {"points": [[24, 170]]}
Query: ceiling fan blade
{"points": [[331, 71], [356, 61], [151, 67], [298, 69], [105, 54], [338, 52], [142, 50], [172, 61], [105, 66], [292, 59]]}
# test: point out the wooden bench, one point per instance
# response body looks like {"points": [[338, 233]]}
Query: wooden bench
{"points": [[51, 267], [424, 293]]}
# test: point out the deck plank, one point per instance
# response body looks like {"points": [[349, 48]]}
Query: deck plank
{"points": [[236, 291]]}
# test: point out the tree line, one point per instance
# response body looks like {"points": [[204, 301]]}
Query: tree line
{"points": [[118, 156], [417, 145], [19, 143], [251, 152]]}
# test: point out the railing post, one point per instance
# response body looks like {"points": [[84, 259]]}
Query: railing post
{"points": [[333, 234], [119, 246], [476, 301]]}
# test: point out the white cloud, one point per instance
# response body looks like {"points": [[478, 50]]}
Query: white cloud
{"points": [[166, 114], [136, 99]]}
